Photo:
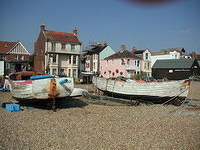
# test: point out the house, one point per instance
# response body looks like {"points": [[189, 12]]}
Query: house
{"points": [[15, 56], [57, 53], [96, 53], [169, 53], [123, 63], [92, 58], [175, 69], [145, 54]]}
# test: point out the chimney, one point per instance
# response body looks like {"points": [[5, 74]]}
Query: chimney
{"points": [[42, 27], [75, 31], [134, 49], [122, 48]]}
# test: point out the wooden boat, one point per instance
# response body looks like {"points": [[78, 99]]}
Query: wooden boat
{"points": [[28, 85], [153, 91]]}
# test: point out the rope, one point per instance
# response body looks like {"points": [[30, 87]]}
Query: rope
{"points": [[175, 96]]}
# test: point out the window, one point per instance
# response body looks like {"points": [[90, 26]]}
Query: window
{"points": [[53, 48], [70, 59], [74, 60], [94, 65], [138, 63], [145, 65], [63, 46], [54, 71], [128, 61], [95, 57], [2, 57], [20, 57], [61, 72], [69, 72], [15, 57], [74, 73], [87, 65], [146, 55], [122, 62], [72, 47], [54, 58], [148, 66]]}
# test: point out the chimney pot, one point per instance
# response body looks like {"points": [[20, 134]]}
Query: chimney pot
{"points": [[42, 27], [134, 49], [75, 31], [122, 48]]}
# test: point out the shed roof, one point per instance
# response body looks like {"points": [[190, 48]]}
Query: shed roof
{"points": [[174, 63]]}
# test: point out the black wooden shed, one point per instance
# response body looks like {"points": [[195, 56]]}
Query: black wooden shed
{"points": [[175, 69]]}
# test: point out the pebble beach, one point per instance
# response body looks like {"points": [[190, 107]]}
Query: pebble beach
{"points": [[82, 124]]}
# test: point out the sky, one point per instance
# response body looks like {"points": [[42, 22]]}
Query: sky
{"points": [[169, 25]]}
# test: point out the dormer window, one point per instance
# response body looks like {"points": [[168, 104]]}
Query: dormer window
{"points": [[72, 47], [63, 46]]}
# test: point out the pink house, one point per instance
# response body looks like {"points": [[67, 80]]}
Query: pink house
{"points": [[123, 63]]}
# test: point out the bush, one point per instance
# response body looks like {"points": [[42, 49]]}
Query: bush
{"points": [[140, 76]]}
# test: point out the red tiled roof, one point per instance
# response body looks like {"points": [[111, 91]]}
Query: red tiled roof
{"points": [[62, 37], [6, 46]]}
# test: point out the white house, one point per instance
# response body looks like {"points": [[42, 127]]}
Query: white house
{"points": [[170, 53], [145, 55]]}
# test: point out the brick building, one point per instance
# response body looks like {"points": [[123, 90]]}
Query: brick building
{"points": [[57, 53], [15, 56]]}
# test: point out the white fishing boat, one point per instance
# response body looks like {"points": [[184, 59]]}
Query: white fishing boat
{"points": [[143, 90], [26, 86]]}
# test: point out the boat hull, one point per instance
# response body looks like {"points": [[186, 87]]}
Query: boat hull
{"points": [[41, 88], [146, 90]]}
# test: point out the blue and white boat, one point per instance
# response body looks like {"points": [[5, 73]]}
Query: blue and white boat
{"points": [[26, 86]]}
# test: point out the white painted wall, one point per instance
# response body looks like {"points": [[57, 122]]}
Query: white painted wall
{"points": [[95, 63], [62, 58], [171, 55], [1, 68], [58, 47]]}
